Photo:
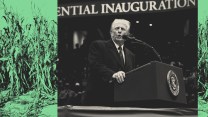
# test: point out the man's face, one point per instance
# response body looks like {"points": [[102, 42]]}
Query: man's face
{"points": [[118, 31]]}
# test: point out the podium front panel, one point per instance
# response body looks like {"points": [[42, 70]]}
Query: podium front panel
{"points": [[139, 84], [164, 91], [150, 83]]}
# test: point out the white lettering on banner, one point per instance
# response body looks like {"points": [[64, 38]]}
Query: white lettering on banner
{"points": [[124, 7]]}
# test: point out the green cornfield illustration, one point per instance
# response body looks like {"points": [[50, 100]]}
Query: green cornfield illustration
{"points": [[28, 56], [203, 68], [203, 59]]}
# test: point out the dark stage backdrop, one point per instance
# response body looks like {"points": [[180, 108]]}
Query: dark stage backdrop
{"points": [[172, 33]]}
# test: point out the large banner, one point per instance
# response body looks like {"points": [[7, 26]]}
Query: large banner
{"points": [[123, 7]]}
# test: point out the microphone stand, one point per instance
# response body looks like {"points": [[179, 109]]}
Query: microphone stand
{"points": [[143, 43]]}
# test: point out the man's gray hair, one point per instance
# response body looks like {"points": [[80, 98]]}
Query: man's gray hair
{"points": [[121, 21]]}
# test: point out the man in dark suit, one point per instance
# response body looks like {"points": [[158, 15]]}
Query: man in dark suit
{"points": [[108, 61]]}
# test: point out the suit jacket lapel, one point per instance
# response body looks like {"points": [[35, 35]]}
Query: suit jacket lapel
{"points": [[114, 52]]}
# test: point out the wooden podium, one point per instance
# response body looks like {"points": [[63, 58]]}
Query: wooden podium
{"points": [[154, 84]]}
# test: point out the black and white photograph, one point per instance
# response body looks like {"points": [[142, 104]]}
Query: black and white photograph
{"points": [[134, 57]]}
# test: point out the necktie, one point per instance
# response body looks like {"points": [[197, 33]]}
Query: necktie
{"points": [[121, 55]]}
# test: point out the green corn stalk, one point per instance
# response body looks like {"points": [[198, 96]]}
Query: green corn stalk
{"points": [[203, 59], [28, 54]]}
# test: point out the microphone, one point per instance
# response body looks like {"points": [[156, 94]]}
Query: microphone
{"points": [[131, 37], [128, 37]]}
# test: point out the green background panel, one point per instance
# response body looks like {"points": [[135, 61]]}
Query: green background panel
{"points": [[28, 44], [202, 58]]}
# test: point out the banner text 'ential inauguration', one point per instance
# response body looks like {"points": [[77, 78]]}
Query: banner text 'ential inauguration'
{"points": [[138, 6]]}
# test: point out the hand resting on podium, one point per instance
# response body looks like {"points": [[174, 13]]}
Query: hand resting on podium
{"points": [[119, 76]]}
